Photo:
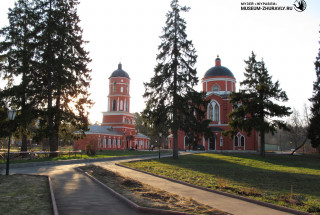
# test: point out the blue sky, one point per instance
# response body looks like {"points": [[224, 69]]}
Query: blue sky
{"points": [[128, 31]]}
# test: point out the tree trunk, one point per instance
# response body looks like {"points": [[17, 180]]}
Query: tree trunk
{"points": [[175, 132], [52, 143], [262, 144], [24, 145], [297, 148]]}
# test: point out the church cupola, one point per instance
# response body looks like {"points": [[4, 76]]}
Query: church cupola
{"points": [[218, 79], [119, 72], [218, 61]]}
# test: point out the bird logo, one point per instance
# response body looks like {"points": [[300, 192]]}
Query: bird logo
{"points": [[300, 5]]}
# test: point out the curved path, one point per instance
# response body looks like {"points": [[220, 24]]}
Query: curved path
{"points": [[77, 194]]}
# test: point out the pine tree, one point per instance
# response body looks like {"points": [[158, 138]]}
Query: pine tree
{"points": [[64, 73], [19, 61], [314, 127], [172, 101], [43, 45], [254, 107]]}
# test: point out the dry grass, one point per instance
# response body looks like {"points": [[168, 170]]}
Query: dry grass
{"points": [[24, 194], [290, 181], [147, 196]]}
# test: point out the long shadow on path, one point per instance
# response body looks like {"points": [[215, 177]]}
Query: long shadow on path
{"points": [[76, 194]]}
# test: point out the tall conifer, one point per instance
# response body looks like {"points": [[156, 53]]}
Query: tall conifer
{"points": [[64, 71], [19, 61], [254, 107], [172, 100], [314, 128], [43, 46]]}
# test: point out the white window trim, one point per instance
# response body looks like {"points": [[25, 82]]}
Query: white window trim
{"points": [[213, 101]]}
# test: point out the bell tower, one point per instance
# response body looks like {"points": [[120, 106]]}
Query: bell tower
{"points": [[119, 95], [118, 115]]}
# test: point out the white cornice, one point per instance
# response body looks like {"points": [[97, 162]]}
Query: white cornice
{"points": [[118, 135], [211, 125], [121, 83], [132, 128], [219, 79], [117, 113], [116, 123], [123, 95]]}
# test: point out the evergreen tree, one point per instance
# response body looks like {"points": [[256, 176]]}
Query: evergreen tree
{"points": [[141, 124], [4, 122], [64, 73], [43, 46], [172, 101], [254, 107], [17, 52], [314, 127]]}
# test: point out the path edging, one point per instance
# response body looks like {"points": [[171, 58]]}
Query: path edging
{"points": [[76, 161], [53, 199], [266, 204], [129, 202]]}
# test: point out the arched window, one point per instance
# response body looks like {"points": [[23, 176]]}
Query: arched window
{"points": [[114, 105], [216, 112], [242, 140], [127, 105], [216, 88], [236, 141], [121, 105], [210, 112], [186, 141], [114, 87]]}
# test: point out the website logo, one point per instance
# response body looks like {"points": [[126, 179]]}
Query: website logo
{"points": [[300, 5]]}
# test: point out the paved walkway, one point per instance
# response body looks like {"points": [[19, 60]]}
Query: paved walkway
{"points": [[77, 194], [222, 202]]}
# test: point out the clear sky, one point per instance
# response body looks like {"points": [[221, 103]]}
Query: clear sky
{"points": [[128, 31]]}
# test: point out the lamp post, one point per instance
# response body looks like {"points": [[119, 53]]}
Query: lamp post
{"points": [[124, 141], [11, 115], [160, 135]]}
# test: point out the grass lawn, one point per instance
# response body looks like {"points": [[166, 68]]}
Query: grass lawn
{"points": [[291, 181], [24, 194], [102, 154]]}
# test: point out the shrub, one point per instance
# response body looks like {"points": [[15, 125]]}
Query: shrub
{"points": [[90, 149]]}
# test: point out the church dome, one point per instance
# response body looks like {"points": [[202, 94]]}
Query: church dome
{"points": [[119, 72], [218, 70]]}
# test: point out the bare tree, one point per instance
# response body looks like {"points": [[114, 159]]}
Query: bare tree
{"points": [[298, 126]]}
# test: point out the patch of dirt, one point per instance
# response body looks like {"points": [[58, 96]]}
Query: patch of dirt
{"points": [[131, 183], [147, 196]]}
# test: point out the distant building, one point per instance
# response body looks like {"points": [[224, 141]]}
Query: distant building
{"points": [[117, 129], [218, 82]]}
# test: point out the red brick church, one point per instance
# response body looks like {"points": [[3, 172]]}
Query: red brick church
{"points": [[218, 82], [117, 130]]}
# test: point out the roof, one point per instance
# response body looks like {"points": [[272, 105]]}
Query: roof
{"points": [[119, 72], [216, 129], [218, 70], [98, 129], [139, 135]]}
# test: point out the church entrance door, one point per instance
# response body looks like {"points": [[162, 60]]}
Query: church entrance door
{"points": [[212, 143]]}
